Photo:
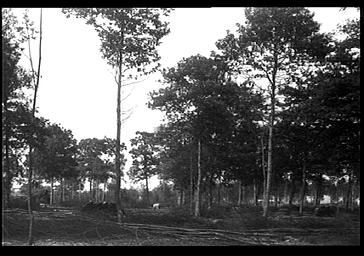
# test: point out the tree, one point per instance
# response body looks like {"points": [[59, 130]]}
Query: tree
{"points": [[96, 159], [144, 154], [273, 50], [15, 106], [129, 40], [207, 111], [56, 158]]}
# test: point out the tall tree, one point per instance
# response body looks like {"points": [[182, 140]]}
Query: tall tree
{"points": [[129, 40], [56, 157], [273, 50], [15, 106], [144, 154]]}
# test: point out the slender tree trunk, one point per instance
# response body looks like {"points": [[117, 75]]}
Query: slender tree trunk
{"points": [[349, 191], [30, 174], [263, 164], [337, 199], [285, 193], [210, 193], [7, 179], [120, 211], [276, 196], [255, 193], [270, 134], [79, 193], [191, 183], [97, 192], [318, 191], [62, 190], [104, 192], [303, 187], [91, 199], [197, 199], [239, 193], [291, 192], [181, 197], [147, 191], [73, 192], [30, 210], [51, 199], [218, 193]]}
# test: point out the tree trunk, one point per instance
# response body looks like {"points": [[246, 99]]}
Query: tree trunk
{"points": [[30, 174], [191, 183], [263, 163], [269, 170], [218, 193], [104, 192], [73, 192], [147, 191], [292, 192], [30, 210], [120, 211], [318, 191], [255, 193], [285, 192], [62, 190], [7, 179], [181, 196], [79, 193], [210, 193], [349, 191], [51, 199], [337, 199], [197, 196], [276, 196], [97, 191], [91, 199], [303, 187], [239, 193]]}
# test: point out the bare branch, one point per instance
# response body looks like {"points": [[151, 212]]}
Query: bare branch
{"points": [[127, 96]]}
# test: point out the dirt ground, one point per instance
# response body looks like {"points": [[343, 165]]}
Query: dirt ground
{"points": [[173, 227]]}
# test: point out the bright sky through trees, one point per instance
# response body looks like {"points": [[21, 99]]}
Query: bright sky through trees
{"points": [[77, 88]]}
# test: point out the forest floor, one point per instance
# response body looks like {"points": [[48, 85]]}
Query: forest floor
{"points": [[174, 227]]}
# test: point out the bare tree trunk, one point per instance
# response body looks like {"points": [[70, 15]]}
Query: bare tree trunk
{"points": [[62, 190], [197, 198], [349, 191], [7, 180], [51, 200], [285, 192], [244, 198], [97, 191], [30, 174], [303, 187], [263, 164], [104, 192], [292, 192], [218, 193], [269, 169], [210, 193], [147, 190], [79, 193], [191, 183], [276, 196], [270, 134], [239, 193], [181, 197], [318, 191], [120, 211], [91, 199], [255, 192]]}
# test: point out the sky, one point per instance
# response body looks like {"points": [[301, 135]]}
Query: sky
{"points": [[77, 88]]}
